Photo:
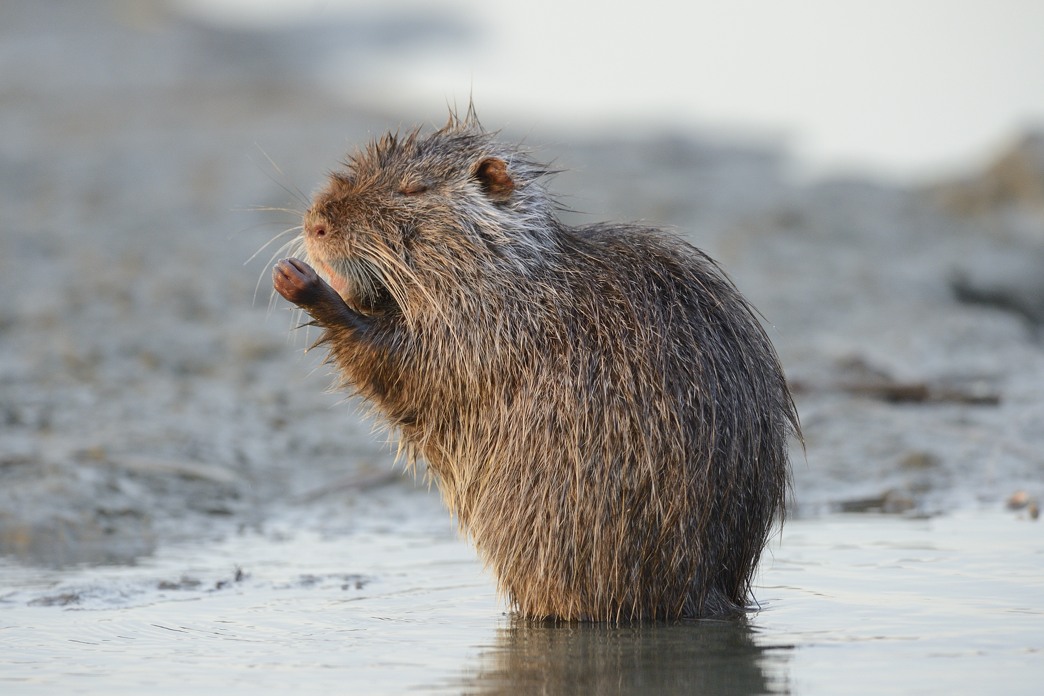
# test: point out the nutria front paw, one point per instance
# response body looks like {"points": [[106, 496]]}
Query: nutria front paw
{"points": [[298, 282]]}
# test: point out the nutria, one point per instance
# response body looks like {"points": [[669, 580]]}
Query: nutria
{"points": [[598, 405]]}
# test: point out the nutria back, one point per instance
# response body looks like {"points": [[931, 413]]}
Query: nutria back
{"points": [[598, 405]]}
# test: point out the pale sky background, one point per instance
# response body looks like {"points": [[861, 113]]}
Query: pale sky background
{"points": [[901, 88]]}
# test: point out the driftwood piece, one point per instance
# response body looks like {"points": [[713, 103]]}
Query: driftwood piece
{"points": [[352, 482], [920, 392]]}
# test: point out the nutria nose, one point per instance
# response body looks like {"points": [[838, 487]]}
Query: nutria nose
{"points": [[315, 229]]}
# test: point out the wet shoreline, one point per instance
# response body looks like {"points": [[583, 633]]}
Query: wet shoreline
{"points": [[288, 606]]}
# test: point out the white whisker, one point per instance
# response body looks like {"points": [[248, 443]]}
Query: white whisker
{"points": [[292, 247], [293, 192], [289, 230]]}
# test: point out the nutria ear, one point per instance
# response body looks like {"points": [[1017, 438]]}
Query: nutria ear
{"points": [[492, 174]]}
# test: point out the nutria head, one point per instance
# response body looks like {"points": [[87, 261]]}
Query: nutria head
{"points": [[407, 213]]}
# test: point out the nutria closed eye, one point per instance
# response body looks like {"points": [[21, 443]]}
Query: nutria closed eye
{"points": [[598, 406]]}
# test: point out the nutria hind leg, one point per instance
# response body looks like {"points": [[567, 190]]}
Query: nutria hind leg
{"points": [[298, 282]]}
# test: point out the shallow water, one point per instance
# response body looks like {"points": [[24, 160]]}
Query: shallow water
{"points": [[848, 603]]}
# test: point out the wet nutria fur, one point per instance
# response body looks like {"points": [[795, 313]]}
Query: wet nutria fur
{"points": [[599, 406]]}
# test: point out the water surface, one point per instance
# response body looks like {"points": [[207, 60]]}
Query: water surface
{"points": [[859, 603]]}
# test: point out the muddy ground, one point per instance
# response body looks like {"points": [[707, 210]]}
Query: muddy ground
{"points": [[150, 390]]}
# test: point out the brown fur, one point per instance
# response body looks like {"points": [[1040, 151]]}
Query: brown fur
{"points": [[599, 406]]}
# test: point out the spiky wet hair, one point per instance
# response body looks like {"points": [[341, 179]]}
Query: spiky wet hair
{"points": [[599, 405]]}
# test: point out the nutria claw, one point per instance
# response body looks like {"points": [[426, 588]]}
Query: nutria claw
{"points": [[298, 282]]}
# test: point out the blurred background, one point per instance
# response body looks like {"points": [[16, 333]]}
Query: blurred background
{"points": [[872, 176], [900, 89], [173, 466]]}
